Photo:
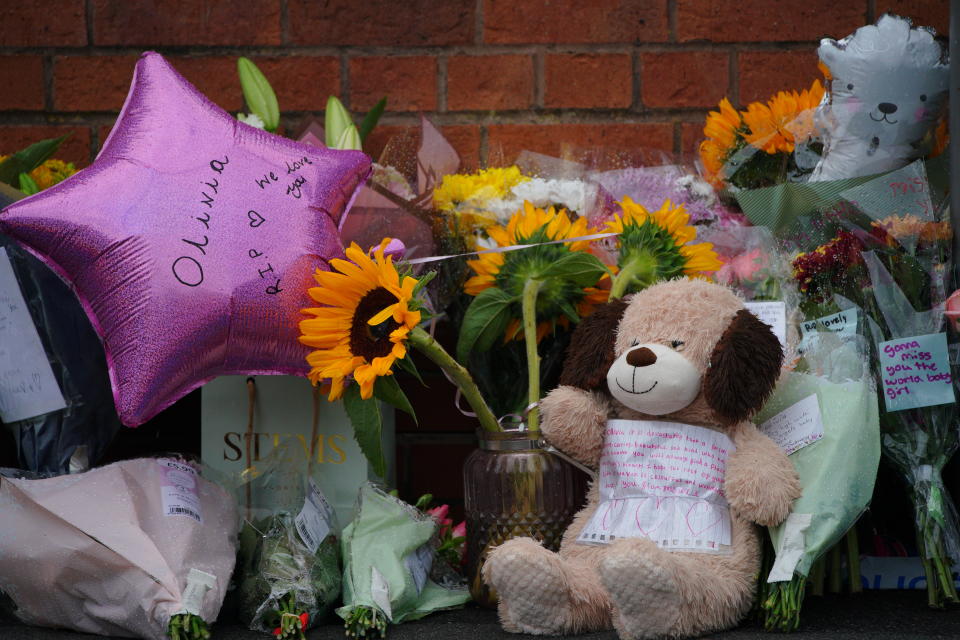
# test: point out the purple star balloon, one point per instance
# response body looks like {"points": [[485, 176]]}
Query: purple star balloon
{"points": [[191, 240]]}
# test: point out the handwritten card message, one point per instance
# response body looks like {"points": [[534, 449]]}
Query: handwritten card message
{"points": [[915, 372], [27, 385], [843, 323], [773, 314], [796, 426], [662, 481]]}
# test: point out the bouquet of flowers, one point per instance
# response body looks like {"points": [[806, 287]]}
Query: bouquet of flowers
{"points": [[289, 562], [396, 565], [889, 256], [141, 548]]}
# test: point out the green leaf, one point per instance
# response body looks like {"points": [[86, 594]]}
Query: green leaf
{"points": [[26, 160], [27, 184], [336, 119], [365, 417], [578, 267], [373, 116], [423, 282], [258, 93], [423, 502], [388, 389], [410, 367], [485, 321], [348, 140]]}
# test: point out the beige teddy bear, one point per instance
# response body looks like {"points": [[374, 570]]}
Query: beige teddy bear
{"points": [[656, 395]]}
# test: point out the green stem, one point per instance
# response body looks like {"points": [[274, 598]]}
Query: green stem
{"points": [[529, 311], [836, 577], [853, 560], [429, 347], [622, 280]]}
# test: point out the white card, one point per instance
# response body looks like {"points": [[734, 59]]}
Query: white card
{"points": [[796, 426], [27, 385], [772, 313], [178, 490]]}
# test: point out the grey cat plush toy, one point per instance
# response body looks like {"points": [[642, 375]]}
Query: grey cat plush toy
{"points": [[887, 89]]}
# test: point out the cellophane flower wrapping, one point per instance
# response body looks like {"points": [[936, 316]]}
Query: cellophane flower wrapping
{"points": [[289, 560], [390, 561], [883, 248], [832, 378], [69, 439], [118, 550]]}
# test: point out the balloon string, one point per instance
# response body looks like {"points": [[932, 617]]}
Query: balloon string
{"points": [[513, 247], [251, 402]]}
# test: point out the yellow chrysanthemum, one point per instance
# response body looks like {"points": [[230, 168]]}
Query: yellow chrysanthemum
{"points": [[510, 270], [485, 184], [656, 245], [50, 172], [785, 120], [363, 327]]}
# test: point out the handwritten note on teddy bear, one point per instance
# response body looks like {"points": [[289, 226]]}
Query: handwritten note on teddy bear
{"points": [[915, 372], [663, 481], [27, 385]]}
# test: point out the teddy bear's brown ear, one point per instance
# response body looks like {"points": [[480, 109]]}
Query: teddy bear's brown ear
{"points": [[744, 368], [591, 350]]}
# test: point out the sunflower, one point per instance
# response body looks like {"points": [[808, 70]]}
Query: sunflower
{"points": [[558, 301], [724, 133], [362, 329], [657, 246], [786, 119]]}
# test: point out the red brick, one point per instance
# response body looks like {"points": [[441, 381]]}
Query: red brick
{"points": [[763, 21], [574, 140], [923, 13], [215, 77], [302, 83], [764, 73], [55, 23], [76, 148], [186, 22], [410, 83], [574, 21], [91, 83], [466, 140], [588, 81], [684, 78], [691, 134], [22, 80], [489, 83], [411, 23]]}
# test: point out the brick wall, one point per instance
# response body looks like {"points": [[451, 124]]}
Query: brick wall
{"points": [[499, 76]]}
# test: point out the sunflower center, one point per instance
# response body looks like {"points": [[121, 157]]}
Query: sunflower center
{"points": [[372, 341]]}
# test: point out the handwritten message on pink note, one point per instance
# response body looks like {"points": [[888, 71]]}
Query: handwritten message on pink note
{"points": [[663, 481]]}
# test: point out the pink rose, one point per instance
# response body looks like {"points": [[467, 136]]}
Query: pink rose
{"points": [[460, 531], [742, 268], [395, 248]]}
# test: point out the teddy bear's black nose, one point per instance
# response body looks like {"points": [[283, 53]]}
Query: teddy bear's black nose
{"points": [[887, 107], [641, 357]]}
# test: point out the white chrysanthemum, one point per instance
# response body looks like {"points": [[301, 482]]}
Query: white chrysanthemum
{"points": [[251, 119], [573, 195]]}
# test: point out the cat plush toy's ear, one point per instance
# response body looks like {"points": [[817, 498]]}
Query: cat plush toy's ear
{"points": [[591, 350]]}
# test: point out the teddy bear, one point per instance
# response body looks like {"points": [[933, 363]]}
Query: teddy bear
{"points": [[655, 395], [888, 86]]}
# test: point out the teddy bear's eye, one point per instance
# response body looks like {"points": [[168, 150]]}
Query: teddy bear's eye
{"points": [[850, 87], [634, 343], [923, 97], [677, 345]]}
